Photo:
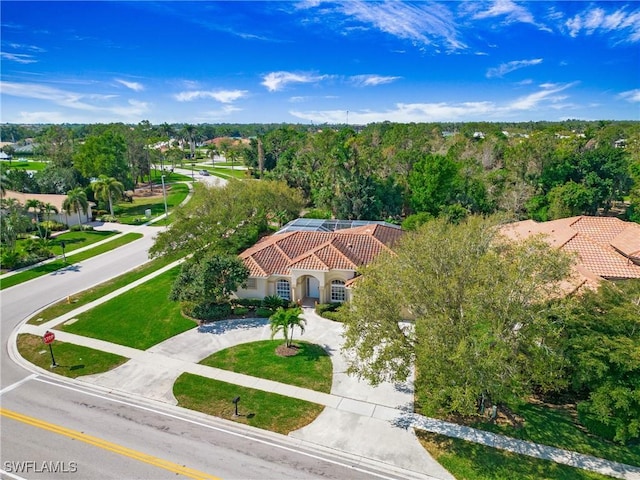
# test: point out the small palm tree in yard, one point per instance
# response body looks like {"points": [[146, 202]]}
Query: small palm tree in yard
{"points": [[76, 201], [286, 320], [105, 188]]}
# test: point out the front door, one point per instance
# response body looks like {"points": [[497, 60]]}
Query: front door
{"points": [[313, 287]]}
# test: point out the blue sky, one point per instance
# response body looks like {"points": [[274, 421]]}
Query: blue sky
{"points": [[319, 62]]}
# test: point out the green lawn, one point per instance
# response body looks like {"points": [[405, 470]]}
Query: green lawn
{"points": [[139, 318], [310, 368], [472, 461], [134, 213], [55, 265], [557, 427], [228, 173], [265, 410], [99, 291], [72, 240], [37, 166], [73, 360]]}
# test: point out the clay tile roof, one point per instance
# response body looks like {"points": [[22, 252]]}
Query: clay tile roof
{"points": [[601, 260], [345, 249], [606, 247]]}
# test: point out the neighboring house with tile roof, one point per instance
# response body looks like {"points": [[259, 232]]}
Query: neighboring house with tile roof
{"points": [[55, 200], [303, 265], [605, 247]]}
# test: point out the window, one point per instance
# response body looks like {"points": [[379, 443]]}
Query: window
{"points": [[283, 289], [252, 283], [338, 292]]}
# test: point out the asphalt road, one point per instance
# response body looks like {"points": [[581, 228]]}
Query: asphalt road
{"points": [[50, 425]]}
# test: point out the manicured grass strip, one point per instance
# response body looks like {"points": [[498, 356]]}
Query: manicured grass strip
{"points": [[72, 240], [265, 410], [140, 318], [99, 291], [557, 427], [49, 267], [228, 173], [73, 360], [310, 368], [134, 213], [472, 461]]}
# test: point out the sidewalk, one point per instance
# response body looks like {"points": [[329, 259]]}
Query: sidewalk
{"points": [[355, 412]]}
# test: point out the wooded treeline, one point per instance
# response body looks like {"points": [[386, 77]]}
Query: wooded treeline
{"points": [[397, 172]]}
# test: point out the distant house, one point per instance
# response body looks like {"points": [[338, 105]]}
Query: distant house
{"points": [[314, 260], [4, 156], [56, 201], [606, 248]]}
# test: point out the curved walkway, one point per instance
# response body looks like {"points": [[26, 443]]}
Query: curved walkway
{"points": [[355, 414]]}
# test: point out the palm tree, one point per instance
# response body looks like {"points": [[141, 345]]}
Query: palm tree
{"points": [[49, 209], [75, 202], [37, 206], [105, 188], [188, 133], [286, 320]]}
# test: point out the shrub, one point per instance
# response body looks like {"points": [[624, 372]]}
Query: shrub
{"points": [[327, 307], [208, 311], [108, 218], [264, 312], [9, 259], [273, 302], [81, 228], [250, 303], [240, 310], [335, 316], [53, 226]]}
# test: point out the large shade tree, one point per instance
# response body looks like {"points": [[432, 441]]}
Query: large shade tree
{"points": [[468, 309], [602, 341], [226, 219]]}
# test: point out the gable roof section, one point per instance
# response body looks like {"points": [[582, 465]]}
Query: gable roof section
{"points": [[345, 249], [606, 247]]}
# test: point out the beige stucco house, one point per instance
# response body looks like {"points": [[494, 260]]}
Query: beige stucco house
{"points": [[314, 260], [70, 219]]}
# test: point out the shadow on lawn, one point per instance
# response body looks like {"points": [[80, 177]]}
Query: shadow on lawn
{"points": [[224, 326]]}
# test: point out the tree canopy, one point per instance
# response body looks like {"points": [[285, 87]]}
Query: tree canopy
{"points": [[209, 279], [226, 219], [467, 308], [602, 342]]}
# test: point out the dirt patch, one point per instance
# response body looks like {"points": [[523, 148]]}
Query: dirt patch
{"points": [[284, 351], [143, 191]]}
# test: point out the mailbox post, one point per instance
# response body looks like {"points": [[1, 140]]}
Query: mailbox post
{"points": [[235, 402]]}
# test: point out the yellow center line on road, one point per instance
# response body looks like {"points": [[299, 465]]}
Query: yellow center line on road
{"points": [[106, 445]]}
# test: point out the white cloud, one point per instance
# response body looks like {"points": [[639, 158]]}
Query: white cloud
{"points": [[423, 23], [213, 115], [631, 95], [222, 96], [87, 102], [371, 80], [509, 67], [135, 86], [275, 81], [596, 20], [18, 57], [548, 96], [506, 8]]}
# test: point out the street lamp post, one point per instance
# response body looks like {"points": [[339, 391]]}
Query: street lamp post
{"points": [[164, 196]]}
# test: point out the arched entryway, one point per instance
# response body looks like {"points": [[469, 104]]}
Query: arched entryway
{"points": [[310, 289]]}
